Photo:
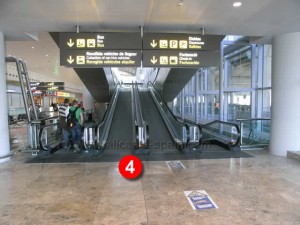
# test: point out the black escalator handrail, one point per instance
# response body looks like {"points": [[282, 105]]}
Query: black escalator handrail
{"points": [[137, 104], [107, 119], [252, 119], [171, 129], [141, 136], [228, 124], [40, 136], [171, 113]]}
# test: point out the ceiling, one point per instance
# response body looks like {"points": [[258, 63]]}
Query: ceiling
{"points": [[26, 23]]}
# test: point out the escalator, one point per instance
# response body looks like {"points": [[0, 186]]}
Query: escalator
{"points": [[159, 137], [121, 132]]}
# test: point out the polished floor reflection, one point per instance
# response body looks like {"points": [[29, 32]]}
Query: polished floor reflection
{"points": [[260, 190], [263, 190]]}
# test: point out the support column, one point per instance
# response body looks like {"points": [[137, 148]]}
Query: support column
{"points": [[285, 111], [4, 128], [88, 100]]}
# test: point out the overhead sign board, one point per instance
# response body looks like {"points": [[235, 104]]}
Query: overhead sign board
{"points": [[88, 50], [180, 59], [52, 88], [177, 41], [100, 41], [94, 58]]}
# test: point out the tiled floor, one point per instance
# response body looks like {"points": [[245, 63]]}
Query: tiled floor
{"points": [[261, 190]]}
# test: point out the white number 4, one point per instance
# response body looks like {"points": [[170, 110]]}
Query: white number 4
{"points": [[130, 167]]}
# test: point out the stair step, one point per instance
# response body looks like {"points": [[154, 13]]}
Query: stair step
{"points": [[294, 155]]}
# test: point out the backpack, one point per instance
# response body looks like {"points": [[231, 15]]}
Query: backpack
{"points": [[71, 118]]}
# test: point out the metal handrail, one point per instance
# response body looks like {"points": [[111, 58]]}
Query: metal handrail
{"points": [[34, 123], [252, 119], [219, 137], [57, 139], [241, 124], [137, 106], [25, 86], [195, 139], [104, 127], [141, 136]]}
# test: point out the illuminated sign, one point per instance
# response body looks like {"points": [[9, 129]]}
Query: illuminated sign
{"points": [[90, 50], [46, 84], [100, 41], [176, 41], [110, 58], [65, 94], [45, 93]]}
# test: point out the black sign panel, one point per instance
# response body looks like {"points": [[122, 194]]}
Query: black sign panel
{"points": [[173, 58], [184, 42], [52, 88], [46, 84], [90, 59], [100, 41]]}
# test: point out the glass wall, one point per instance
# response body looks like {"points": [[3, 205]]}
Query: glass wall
{"points": [[245, 90], [177, 106], [238, 68], [241, 96], [238, 84]]}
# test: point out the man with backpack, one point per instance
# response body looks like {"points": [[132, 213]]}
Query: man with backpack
{"points": [[75, 121], [63, 114]]}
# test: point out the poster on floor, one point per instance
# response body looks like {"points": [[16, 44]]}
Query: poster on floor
{"points": [[199, 200], [175, 165]]}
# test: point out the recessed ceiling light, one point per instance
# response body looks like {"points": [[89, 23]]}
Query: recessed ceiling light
{"points": [[237, 4], [46, 55], [180, 3], [32, 46]]}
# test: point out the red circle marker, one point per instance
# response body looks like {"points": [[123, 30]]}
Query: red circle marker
{"points": [[130, 167]]}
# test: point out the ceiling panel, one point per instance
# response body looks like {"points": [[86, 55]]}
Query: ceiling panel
{"points": [[20, 18]]}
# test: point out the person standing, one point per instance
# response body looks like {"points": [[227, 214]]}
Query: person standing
{"points": [[63, 114], [76, 127]]}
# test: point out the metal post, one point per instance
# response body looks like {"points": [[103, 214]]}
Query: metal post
{"points": [[142, 35], [221, 92], [28, 88], [196, 97], [11, 59], [182, 103]]}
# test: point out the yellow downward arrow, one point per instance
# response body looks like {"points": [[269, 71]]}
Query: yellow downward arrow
{"points": [[153, 43], [70, 43], [70, 59], [153, 60]]}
